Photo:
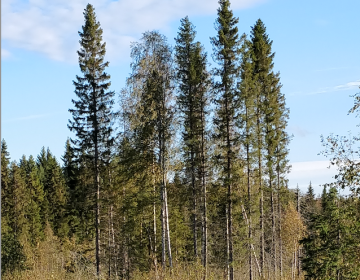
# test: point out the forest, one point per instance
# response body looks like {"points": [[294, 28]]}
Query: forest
{"points": [[185, 179]]}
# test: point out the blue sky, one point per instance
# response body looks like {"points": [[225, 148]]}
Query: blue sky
{"points": [[316, 53]]}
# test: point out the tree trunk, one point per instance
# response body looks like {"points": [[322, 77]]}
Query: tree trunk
{"points": [[193, 184], [97, 215], [204, 212], [194, 209], [299, 249], [154, 224], [249, 210], [262, 237], [125, 269], [229, 197], [163, 225], [163, 214], [292, 265], [273, 230], [227, 245], [113, 241], [279, 217], [251, 245], [167, 227]]}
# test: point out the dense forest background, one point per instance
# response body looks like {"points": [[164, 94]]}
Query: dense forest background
{"points": [[188, 180]]}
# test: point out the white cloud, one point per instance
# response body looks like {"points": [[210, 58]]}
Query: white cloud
{"points": [[347, 86], [315, 171], [50, 27], [5, 53]]}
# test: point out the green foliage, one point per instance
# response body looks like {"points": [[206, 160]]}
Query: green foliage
{"points": [[36, 201], [12, 254], [5, 187], [193, 83], [331, 249], [55, 192], [92, 114]]}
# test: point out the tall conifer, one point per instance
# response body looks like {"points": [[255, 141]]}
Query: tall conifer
{"points": [[193, 80], [226, 54], [272, 139], [247, 124], [92, 114]]}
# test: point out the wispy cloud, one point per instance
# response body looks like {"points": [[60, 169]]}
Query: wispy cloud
{"points": [[346, 86], [50, 27], [5, 53], [349, 85]]}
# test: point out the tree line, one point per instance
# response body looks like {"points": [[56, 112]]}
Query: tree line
{"points": [[191, 170]]}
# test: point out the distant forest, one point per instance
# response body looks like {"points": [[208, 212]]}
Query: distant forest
{"points": [[187, 180]]}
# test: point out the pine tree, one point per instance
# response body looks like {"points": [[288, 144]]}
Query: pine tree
{"points": [[193, 81], [92, 114], [226, 54]]}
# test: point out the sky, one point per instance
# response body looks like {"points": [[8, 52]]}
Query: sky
{"points": [[315, 45]]}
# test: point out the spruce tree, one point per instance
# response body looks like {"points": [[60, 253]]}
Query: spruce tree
{"points": [[92, 115], [71, 175], [272, 139], [55, 194], [331, 248], [5, 186], [246, 125], [308, 205], [193, 81], [35, 201], [226, 54], [12, 252]]}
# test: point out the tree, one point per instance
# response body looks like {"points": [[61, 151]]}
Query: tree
{"points": [[293, 230], [331, 248], [5, 186], [308, 205], [55, 193], [272, 139], [193, 81], [71, 175], [226, 54], [35, 201], [246, 124], [12, 253], [151, 120], [92, 115]]}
